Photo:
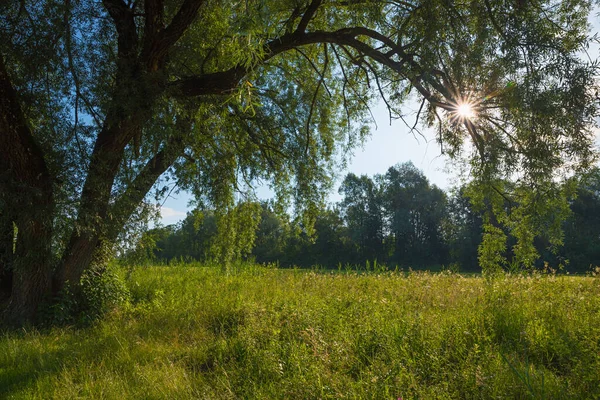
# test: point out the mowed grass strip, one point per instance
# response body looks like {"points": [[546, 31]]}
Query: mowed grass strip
{"points": [[195, 332]]}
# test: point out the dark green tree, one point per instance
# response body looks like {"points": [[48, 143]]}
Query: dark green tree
{"points": [[582, 228], [191, 239], [271, 236], [363, 213], [333, 244], [416, 212], [102, 101], [463, 231]]}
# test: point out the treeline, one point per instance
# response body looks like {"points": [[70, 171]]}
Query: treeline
{"points": [[397, 219]]}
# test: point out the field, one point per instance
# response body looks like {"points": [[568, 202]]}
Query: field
{"points": [[259, 333]]}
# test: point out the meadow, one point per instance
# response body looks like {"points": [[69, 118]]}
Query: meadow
{"points": [[265, 333]]}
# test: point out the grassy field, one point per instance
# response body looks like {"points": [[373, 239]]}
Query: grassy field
{"points": [[194, 332]]}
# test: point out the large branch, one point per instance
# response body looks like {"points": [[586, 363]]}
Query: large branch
{"points": [[308, 15], [226, 81], [122, 17], [182, 20], [158, 41], [154, 10], [126, 204]]}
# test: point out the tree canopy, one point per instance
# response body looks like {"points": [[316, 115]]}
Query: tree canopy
{"points": [[103, 103]]}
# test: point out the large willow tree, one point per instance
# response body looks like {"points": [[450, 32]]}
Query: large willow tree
{"points": [[103, 103]]}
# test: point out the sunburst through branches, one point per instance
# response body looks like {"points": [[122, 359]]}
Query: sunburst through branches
{"points": [[464, 110]]}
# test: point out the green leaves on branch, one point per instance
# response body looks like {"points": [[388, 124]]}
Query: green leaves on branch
{"points": [[236, 232]]}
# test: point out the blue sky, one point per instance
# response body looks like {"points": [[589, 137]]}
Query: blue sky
{"points": [[388, 145]]}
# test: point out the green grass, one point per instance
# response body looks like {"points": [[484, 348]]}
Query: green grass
{"points": [[194, 332]]}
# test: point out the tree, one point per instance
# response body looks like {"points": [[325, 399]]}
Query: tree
{"points": [[363, 213], [416, 210], [582, 228], [333, 245], [464, 231], [102, 101], [271, 236], [191, 239]]}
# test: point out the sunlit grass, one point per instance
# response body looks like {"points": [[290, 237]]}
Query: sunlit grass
{"points": [[195, 332]]}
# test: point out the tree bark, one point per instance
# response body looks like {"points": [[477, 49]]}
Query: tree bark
{"points": [[26, 198], [6, 255], [95, 197]]}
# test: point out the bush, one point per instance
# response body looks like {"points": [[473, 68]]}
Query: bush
{"points": [[100, 291]]}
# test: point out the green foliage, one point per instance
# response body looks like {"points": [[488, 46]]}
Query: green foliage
{"points": [[363, 213], [417, 212], [581, 238], [492, 249], [301, 334], [101, 291], [401, 220], [236, 233]]}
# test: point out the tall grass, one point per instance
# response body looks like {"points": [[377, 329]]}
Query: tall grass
{"points": [[196, 332]]}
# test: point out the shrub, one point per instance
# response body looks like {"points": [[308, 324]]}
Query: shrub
{"points": [[100, 291]]}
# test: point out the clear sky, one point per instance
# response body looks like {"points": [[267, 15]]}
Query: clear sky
{"points": [[388, 145]]}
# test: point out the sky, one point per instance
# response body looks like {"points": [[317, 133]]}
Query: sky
{"points": [[388, 145]]}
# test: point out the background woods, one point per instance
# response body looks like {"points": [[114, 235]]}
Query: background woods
{"points": [[395, 219]]}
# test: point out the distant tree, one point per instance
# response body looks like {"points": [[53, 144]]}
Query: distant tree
{"points": [[362, 210], [333, 244], [416, 212], [271, 236], [463, 231], [204, 236], [192, 239], [582, 228], [152, 246]]}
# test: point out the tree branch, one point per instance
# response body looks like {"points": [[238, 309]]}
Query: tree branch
{"points": [[225, 81], [127, 37], [161, 41], [154, 10], [154, 15], [126, 204], [308, 15]]}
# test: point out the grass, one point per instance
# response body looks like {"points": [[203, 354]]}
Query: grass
{"points": [[195, 332]]}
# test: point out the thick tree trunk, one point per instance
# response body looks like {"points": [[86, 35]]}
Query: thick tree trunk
{"points": [[26, 196], [132, 108], [6, 256], [95, 197], [32, 269], [139, 83]]}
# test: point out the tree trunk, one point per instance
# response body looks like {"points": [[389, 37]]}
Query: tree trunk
{"points": [[26, 198], [6, 255], [95, 197], [123, 123], [32, 272]]}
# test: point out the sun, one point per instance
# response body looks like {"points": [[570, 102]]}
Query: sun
{"points": [[465, 111]]}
